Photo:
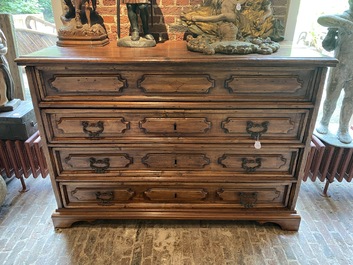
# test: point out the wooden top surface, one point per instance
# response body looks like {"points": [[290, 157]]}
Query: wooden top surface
{"points": [[170, 51]]}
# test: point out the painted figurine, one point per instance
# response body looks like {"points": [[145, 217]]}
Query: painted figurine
{"points": [[133, 6], [75, 11]]}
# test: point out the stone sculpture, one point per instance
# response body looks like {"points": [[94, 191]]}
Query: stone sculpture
{"points": [[6, 81], [340, 39], [232, 27]]}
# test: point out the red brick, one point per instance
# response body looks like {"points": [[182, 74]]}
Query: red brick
{"points": [[168, 3], [108, 19], [109, 2], [124, 20], [168, 19], [176, 11], [182, 2], [107, 10]]}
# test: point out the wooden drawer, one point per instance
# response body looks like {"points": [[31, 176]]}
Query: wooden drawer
{"points": [[188, 161], [106, 126], [119, 84], [173, 195]]}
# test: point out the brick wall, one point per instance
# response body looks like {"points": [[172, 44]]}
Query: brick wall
{"points": [[166, 13]]}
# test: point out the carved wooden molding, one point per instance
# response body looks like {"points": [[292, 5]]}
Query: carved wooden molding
{"points": [[176, 83], [231, 125], [92, 127], [175, 160], [81, 84], [175, 125], [104, 197], [172, 194], [98, 164], [251, 163], [258, 84], [249, 198]]}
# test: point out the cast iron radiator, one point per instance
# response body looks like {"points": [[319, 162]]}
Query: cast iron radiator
{"points": [[22, 159], [328, 163]]}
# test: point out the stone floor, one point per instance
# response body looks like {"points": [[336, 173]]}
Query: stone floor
{"points": [[325, 236]]}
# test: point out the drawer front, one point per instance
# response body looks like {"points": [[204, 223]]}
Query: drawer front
{"points": [[78, 84], [180, 195], [270, 86], [105, 126], [118, 161], [260, 84]]}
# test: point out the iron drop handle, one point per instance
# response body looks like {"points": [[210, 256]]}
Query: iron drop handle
{"points": [[98, 126]]}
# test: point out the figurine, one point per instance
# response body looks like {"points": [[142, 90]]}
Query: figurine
{"points": [[340, 39], [133, 8], [231, 27], [142, 6], [75, 11], [6, 81], [82, 27]]}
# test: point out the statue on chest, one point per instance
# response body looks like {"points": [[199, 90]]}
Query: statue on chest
{"points": [[82, 25], [233, 27]]}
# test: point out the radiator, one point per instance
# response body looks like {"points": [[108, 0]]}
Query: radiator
{"points": [[23, 159], [328, 163], [325, 162]]}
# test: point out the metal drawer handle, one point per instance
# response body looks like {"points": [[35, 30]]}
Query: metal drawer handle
{"points": [[248, 199], [250, 165], [95, 133], [256, 129], [105, 198], [99, 165]]}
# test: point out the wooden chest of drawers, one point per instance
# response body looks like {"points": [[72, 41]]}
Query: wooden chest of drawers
{"points": [[164, 133]]}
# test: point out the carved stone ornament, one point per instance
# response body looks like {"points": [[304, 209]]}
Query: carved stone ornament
{"points": [[233, 27]]}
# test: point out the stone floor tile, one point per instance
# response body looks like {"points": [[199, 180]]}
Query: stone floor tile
{"points": [[325, 237]]}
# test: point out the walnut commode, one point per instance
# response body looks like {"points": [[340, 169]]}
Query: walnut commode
{"points": [[164, 133]]}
